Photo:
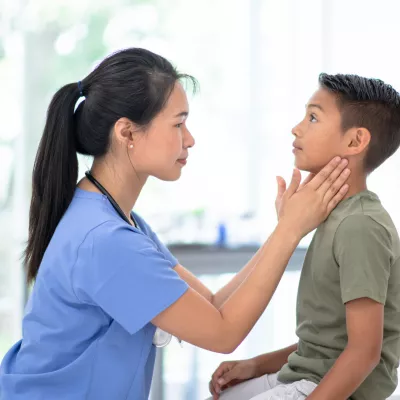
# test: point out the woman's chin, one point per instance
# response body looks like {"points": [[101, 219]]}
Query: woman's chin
{"points": [[169, 176]]}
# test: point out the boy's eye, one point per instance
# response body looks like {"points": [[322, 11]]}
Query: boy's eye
{"points": [[313, 118], [179, 125]]}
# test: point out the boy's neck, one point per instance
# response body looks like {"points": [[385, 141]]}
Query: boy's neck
{"points": [[358, 178], [357, 183]]}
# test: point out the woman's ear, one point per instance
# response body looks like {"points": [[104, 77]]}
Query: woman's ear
{"points": [[124, 130]]}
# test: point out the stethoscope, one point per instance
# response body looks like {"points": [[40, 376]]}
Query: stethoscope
{"points": [[160, 338]]}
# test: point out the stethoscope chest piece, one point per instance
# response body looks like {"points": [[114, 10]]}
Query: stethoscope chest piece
{"points": [[161, 338]]}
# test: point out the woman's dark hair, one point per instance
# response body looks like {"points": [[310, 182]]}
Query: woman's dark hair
{"points": [[132, 83]]}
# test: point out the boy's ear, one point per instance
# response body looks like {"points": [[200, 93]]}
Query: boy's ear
{"points": [[357, 141]]}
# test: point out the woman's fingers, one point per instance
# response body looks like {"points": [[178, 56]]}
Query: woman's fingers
{"points": [[309, 178], [334, 182], [337, 198], [329, 192], [336, 166]]}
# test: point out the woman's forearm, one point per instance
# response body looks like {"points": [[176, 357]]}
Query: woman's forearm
{"points": [[219, 298], [243, 308]]}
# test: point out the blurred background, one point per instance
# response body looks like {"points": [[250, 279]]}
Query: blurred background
{"points": [[257, 62]]}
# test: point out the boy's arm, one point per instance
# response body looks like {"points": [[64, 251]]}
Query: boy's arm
{"points": [[363, 252], [271, 363], [364, 320], [230, 373]]}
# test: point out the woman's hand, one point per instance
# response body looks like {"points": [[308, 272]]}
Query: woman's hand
{"points": [[304, 207], [282, 189], [231, 373]]}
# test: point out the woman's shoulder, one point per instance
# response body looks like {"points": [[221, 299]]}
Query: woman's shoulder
{"points": [[109, 249], [89, 212], [91, 222], [115, 236], [142, 224]]}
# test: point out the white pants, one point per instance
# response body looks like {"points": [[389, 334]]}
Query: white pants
{"points": [[268, 387]]}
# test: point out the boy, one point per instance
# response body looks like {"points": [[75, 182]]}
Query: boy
{"points": [[348, 307]]}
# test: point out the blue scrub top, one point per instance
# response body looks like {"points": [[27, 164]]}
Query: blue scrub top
{"points": [[87, 332]]}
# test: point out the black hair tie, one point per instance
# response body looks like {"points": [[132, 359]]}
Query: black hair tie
{"points": [[80, 87]]}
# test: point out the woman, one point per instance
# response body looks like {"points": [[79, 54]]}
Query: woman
{"points": [[103, 280]]}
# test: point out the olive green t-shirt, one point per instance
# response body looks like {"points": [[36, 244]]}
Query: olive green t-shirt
{"points": [[354, 254]]}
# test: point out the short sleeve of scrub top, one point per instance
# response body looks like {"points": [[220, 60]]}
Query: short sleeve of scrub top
{"points": [[161, 247], [122, 271]]}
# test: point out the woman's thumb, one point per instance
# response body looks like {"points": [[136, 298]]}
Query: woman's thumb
{"points": [[294, 183], [281, 186]]}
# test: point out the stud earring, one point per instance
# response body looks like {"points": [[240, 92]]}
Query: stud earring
{"points": [[131, 146]]}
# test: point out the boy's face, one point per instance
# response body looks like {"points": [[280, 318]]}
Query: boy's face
{"points": [[318, 137]]}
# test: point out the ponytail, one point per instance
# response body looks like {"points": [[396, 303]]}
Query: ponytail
{"points": [[55, 175]]}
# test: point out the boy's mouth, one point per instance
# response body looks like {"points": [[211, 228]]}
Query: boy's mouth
{"points": [[296, 147]]}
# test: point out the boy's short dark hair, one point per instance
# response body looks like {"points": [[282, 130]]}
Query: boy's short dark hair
{"points": [[371, 104]]}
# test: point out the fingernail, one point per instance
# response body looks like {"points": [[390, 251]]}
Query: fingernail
{"points": [[337, 159], [221, 381], [347, 171], [344, 162]]}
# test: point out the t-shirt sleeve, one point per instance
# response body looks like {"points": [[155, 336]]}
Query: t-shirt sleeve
{"points": [[164, 250], [160, 245], [124, 273], [362, 249]]}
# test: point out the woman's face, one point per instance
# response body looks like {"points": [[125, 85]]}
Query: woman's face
{"points": [[162, 151]]}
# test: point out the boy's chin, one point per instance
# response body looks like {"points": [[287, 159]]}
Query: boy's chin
{"points": [[307, 167]]}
